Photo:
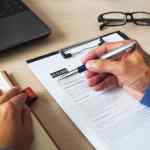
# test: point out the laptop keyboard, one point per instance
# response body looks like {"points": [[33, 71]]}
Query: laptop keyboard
{"points": [[11, 7]]}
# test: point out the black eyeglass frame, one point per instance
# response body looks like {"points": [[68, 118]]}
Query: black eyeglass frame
{"points": [[127, 19]]}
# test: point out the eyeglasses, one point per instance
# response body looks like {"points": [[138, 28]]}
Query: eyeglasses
{"points": [[121, 18]]}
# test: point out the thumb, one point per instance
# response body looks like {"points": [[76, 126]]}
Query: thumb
{"points": [[103, 66]]}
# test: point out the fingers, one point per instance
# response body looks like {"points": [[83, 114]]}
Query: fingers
{"points": [[28, 123], [19, 104], [91, 55], [106, 47], [12, 103], [14, 98], [93, 80], [96, 79], [7, 96], [108, 82], [89, 74], [27, 120], [19, 101], [9, 112], [104, 66]]}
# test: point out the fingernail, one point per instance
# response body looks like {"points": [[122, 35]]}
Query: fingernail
{"points": [[90, 64]]}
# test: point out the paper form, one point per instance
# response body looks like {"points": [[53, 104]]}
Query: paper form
{"points": [[111, 120]]}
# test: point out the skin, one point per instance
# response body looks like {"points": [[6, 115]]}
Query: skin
{"points": [[130, 71], [16, 131]]}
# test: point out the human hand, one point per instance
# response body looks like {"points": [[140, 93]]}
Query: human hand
{"points": [[16, 131], [131, 71]]}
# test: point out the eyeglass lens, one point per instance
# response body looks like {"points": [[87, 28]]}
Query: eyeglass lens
{"points": [[142, 18], [114, 19]]}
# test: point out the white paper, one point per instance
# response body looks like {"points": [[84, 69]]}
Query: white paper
{"points": [[111, 120]]}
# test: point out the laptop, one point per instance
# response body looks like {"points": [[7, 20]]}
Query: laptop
{"points": [[18, 24]]}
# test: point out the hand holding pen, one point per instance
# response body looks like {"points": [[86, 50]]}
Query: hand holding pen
{"points": [[111, 54], [130, 71]]}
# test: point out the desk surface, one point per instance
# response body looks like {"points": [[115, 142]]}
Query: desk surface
{"points": [[72, 21]]}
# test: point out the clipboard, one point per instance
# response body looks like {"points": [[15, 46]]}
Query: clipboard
{"points": [[66, 54], [77, 139], [109, 119]]}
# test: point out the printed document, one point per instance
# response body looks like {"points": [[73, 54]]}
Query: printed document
{"points": [[110, 120]]}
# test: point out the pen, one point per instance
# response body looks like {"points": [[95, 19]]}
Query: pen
{"points": [[111, 55]]}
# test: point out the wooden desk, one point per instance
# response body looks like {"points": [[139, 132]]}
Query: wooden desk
{"points": [[72, 21]]}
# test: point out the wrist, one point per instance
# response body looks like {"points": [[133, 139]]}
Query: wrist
{"points": [[142, 84], [138, 87]]}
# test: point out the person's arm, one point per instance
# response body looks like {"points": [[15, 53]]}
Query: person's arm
{"points": [[146, 98]]}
